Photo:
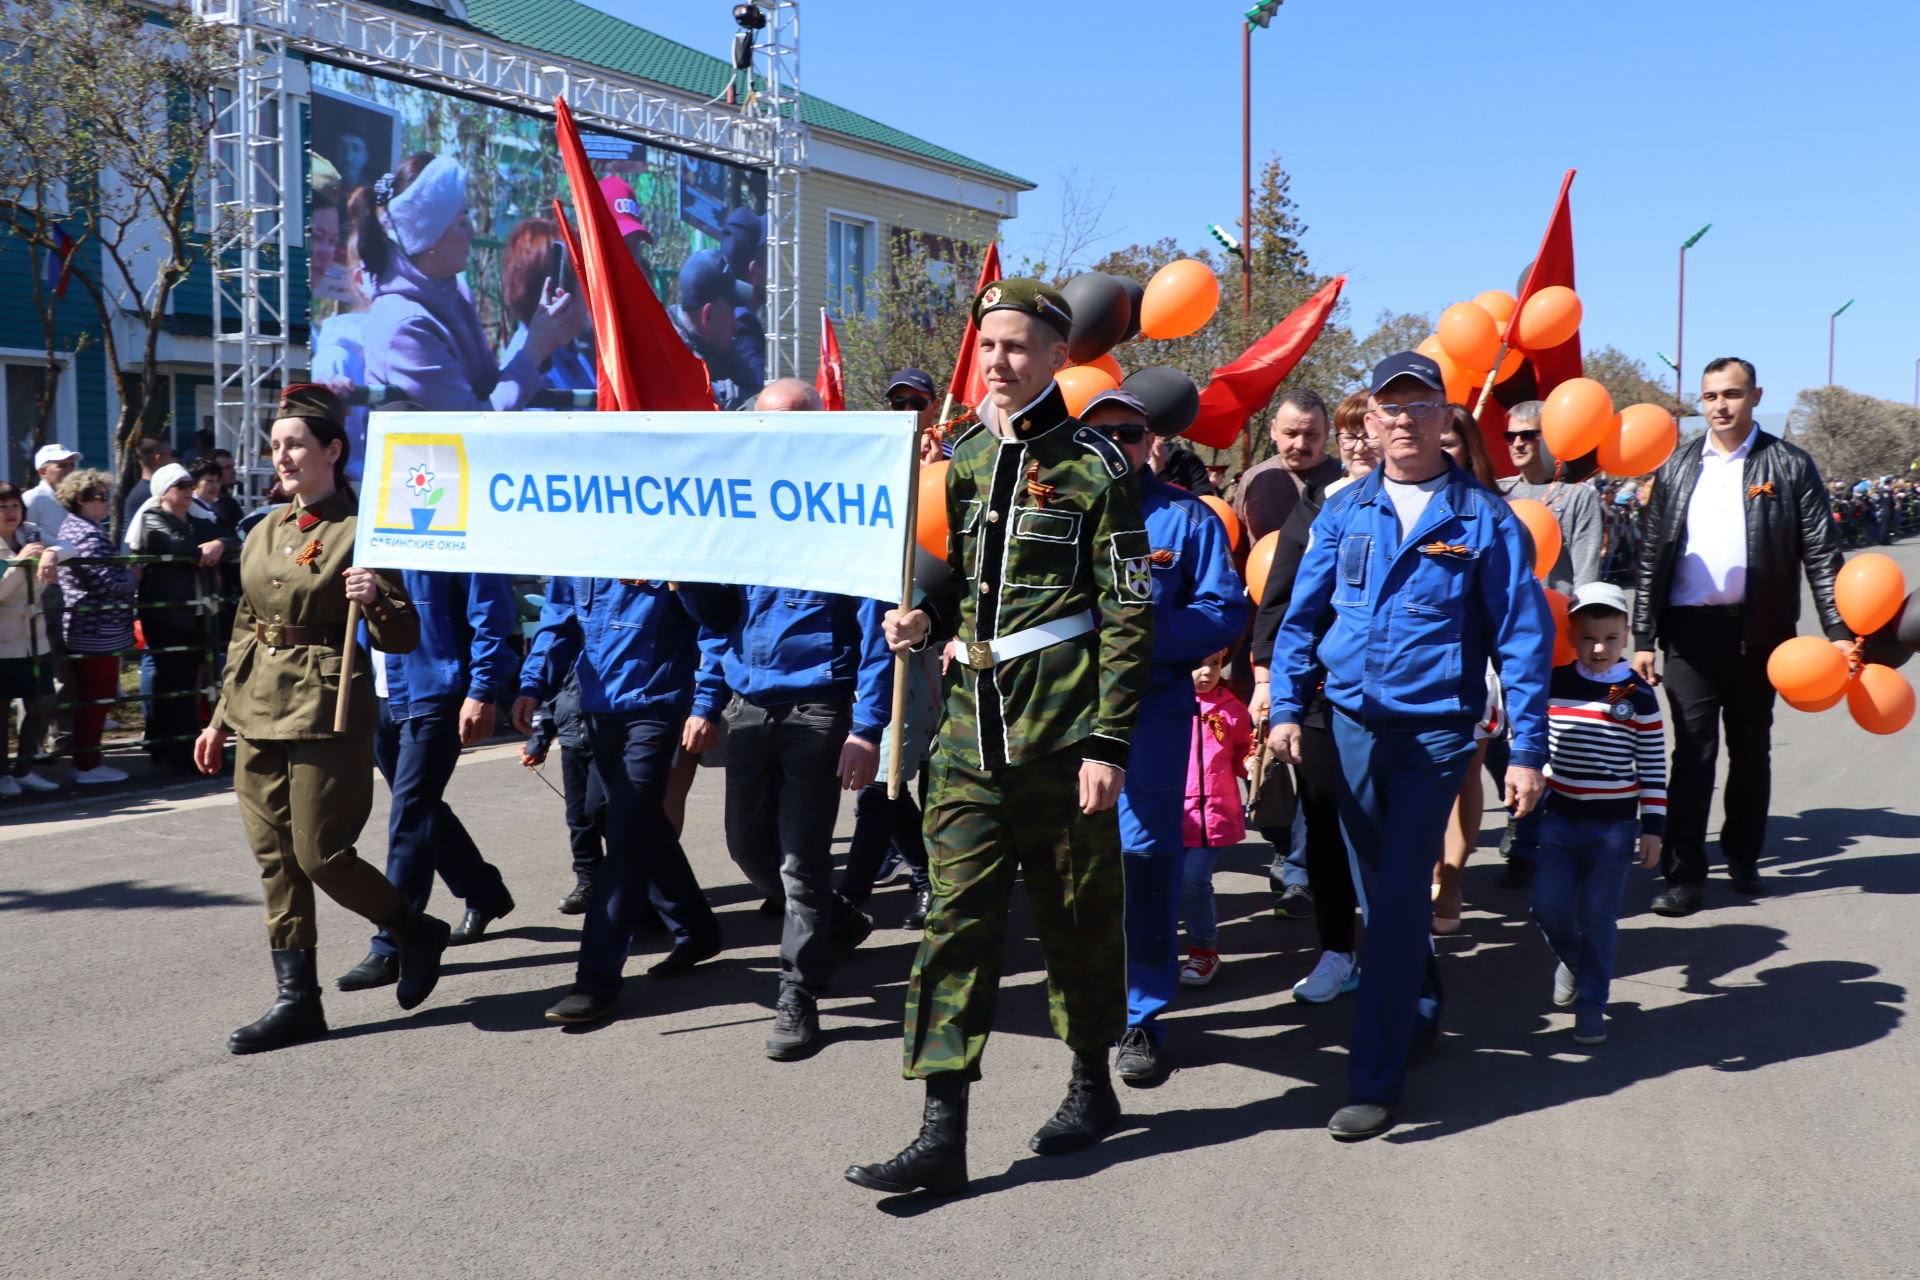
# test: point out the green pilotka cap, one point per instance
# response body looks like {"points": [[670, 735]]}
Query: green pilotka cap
{"points": [[1035, 297], [311, 400]]}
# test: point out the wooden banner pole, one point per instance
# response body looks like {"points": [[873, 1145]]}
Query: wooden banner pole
{"points": [[348, 653], [896, 725]]}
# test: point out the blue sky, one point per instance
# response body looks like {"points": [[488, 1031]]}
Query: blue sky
{"points": [[1426, 142]]}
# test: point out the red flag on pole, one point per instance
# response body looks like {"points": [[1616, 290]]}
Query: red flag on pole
{"points": [[1553, 264], [831, 378], [1241, 388], [967, 386], [641, 360]]}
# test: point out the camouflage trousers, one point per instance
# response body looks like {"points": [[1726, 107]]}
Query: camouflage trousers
{"points": [[983, 828]]}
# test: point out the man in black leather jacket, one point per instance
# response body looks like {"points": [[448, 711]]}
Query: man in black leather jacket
{"points": [[1731, 523]]}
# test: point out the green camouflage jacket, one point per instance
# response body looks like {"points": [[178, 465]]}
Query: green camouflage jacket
{"points": [[1043, 527]]}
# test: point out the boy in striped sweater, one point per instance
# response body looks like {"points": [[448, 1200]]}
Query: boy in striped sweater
{"points": [[1606, 799]]}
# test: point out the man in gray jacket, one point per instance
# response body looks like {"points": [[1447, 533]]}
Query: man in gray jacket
{"points": [[1574, 504]]}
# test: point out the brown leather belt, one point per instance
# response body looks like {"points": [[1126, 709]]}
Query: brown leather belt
{"points": [[279, 636]]}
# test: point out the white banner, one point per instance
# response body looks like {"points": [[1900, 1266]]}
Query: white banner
{"points": [[812, 501]]}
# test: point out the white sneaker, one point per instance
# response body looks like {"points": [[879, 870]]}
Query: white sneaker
{"points": [[34, 782], [1563, 983], [97, 776], [8, 787], [1335, 975]]}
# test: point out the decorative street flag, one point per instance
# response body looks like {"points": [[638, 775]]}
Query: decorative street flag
{"points": [[1552, 265], [794, 500], [968, 386], [1243, 387], [830, 380]]}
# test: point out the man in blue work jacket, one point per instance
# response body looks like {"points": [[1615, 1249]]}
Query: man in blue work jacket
{"points": [[1199, 608], [434, 701], [631, 646], [804, 680], [1415, 578]]}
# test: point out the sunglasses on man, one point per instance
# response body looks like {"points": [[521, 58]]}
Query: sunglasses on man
{"points": [[915, 403], [1125, 433], [1528, 436]]}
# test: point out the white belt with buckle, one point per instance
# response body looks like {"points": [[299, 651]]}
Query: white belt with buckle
{"points": [[983, 654]]}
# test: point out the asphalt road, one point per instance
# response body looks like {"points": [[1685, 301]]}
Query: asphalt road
{"points": [[1754, 1114]]}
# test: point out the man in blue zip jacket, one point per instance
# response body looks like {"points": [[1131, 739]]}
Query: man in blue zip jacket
{"points": [[631, 646], [434, 701], [1415, 577], [1199, 608], [804, 680]]}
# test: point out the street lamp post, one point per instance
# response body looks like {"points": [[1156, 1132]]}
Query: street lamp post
{"points": [[1832, 325], [1680, 325], [1260, 15]]}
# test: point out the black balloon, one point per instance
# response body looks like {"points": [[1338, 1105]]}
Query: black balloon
{"points": [[1136, 292], [1884, 646], [1101, 313], [1906, 623], [1172, 401], [930, 573]]}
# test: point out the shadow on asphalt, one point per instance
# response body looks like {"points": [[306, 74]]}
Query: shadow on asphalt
{"points": [[117, 895]]}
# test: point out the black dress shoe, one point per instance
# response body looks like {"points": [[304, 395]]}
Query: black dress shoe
{"points": [[936, 1161], [1089, 1112], [295, 1016], [683, 957], [420, 940], [773, 908], [473, 926], [796, 1027], [580, 1006], [922, 903], [575, 902], [375, 971], [1678, 900], [1747, 883], [1360, 1120]]}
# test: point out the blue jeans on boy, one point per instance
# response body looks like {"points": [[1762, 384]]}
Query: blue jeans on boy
{"points": [[1151, 806], [1196, 894], [1579, 878]]}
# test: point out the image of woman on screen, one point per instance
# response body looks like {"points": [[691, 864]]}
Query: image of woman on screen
{"points": [[424, 338], [533, 250]]}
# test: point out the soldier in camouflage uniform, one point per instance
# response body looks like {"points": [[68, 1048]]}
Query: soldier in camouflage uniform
{"points": [[1047, 625]]}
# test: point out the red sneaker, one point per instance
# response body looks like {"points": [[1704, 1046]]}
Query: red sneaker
{"points": [[1199, 967]]}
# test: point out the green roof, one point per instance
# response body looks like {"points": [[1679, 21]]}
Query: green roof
{"points": [[581, 33]]}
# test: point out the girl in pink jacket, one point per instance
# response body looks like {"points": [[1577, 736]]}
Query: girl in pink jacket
{"points": [[1216, 815]]}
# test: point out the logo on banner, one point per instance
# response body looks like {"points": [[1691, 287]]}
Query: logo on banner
{"points": [[423, 487]]}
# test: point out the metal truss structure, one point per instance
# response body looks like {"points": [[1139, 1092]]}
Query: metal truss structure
{"points": [[253, 168]]}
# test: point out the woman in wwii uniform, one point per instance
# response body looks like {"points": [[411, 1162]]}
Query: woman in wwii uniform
{"points": [[304, 790]]}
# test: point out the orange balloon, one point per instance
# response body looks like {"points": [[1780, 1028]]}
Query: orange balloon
{"points": [[1550, 317], [930, 516], [1642, 438], [1106, 364], [1869, 590], [1576, 418], [1545, 530], [1511, 365], [1470, 337], [1497, 303], [1562, 627], [1181, 297], [1260, 563], [1808, 669], [1080, 383], [1880, 699], [1822, 705], [1220, 508], [1461, 383], [1431, 347]]}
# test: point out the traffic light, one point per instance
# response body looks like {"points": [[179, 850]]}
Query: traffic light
{"points": [[1261, 14]]}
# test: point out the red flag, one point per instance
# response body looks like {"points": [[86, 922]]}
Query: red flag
{"points": [[642, 362], [1552, 265], [1241, 388], [831, 378], [967, 385]]}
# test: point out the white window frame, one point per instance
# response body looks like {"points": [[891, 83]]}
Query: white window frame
{"points": [[66, 399], [838, 297]]}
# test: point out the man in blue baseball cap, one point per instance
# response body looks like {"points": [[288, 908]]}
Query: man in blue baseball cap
{"points": [[705, 317], [1415, 579]]}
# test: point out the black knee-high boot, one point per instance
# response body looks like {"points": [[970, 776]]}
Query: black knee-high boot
{"points": [[295, 1016]]}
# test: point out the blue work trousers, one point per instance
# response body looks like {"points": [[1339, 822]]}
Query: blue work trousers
{"points": [[1396, 791], [632, 756], [425, 836], [1578, 880], [1152, 802]]}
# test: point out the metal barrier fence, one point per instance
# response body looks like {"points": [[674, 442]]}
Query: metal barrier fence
{"points": [[212, 603]]}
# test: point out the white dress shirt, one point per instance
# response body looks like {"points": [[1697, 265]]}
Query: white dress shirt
{"points": [[1712, 568]]}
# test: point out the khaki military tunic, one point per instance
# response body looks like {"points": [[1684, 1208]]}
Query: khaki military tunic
{"points": [[305, 791]]}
